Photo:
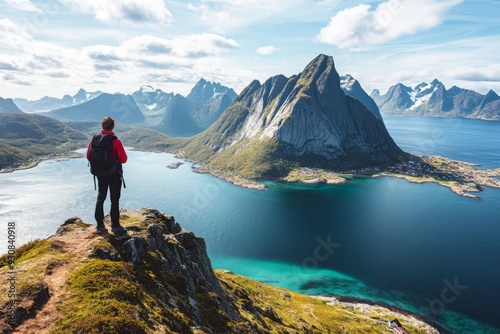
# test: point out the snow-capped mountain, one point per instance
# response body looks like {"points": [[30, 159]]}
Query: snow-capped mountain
{"points": [[433, 99], [206, 90], [351, 87], [48, 103], [177, 115]]}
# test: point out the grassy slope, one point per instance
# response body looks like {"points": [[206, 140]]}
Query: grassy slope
{"points": [[26, 136]]}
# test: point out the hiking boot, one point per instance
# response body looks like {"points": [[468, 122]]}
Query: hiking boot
{"points": [[101, 229], [120, 232]]}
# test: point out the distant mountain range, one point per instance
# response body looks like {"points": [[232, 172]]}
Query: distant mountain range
{"points": [[433, 99], [305, 120], [170, 113], [120, 106], [51, 103], [177, 115]]}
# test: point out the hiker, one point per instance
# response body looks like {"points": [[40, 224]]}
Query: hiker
{"points": [[109, 174]]}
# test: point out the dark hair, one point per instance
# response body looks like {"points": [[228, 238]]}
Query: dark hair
{"points": [[108, 123]]}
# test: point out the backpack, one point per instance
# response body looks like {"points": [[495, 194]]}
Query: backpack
{"points": [[101, 160]]}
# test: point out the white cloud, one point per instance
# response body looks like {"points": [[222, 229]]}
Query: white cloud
{"points": [[267, 50], [487, 73], [226, 15], [25, 5], [124, 11], [361, 27], [130, 63]]}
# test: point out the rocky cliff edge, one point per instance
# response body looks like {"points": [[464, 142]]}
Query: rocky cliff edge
{"points": [[158, 281]]}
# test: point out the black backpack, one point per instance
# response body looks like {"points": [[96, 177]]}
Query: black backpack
{"points": [[101, 160]]}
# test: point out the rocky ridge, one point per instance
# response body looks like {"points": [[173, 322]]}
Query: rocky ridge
{"points": [[158, 281], [433, 99]]}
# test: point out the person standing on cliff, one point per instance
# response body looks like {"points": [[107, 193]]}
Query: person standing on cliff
{"points": [[111, 180]]}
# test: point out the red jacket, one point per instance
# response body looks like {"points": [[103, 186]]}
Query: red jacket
{"points": [[118, 150]]}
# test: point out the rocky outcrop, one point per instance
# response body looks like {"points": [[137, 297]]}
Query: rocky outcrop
{"points": [[178, 252]]}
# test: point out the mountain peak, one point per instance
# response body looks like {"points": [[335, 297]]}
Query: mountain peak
{"points": [[303, 120], [206, 90], [352, 87], [320, 71]]}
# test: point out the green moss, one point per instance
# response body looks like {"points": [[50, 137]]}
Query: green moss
{"points": [[103, 298], [269, 107], [304, 82], [35, 249]]}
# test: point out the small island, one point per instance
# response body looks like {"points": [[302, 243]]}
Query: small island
{"points": [[175, 165]]}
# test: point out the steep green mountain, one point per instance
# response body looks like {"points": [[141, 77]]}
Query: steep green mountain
{"points": [[31, 136], [304, 120], [159, 281]]}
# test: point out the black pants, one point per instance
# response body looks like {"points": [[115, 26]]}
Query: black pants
{"points": [[114, 183]]}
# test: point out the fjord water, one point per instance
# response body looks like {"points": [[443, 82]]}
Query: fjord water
{"points": [[417, 247]]}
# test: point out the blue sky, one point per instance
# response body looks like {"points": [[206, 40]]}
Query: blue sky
{"points": [[56, 47]]}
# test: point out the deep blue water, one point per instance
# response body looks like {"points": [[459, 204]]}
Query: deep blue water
{"points": [[419, 247]]}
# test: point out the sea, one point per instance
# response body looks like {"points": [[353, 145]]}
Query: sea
{"points": [[416, 247]]}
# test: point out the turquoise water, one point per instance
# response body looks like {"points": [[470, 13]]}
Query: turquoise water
{"points": [[384, 240]]}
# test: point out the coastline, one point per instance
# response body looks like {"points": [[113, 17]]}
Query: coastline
{"points": [[461, 177], [380, 309], [33, 164]]}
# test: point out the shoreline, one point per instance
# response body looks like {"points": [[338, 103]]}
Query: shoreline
{"points": [[367, 305], [462, 178], [33, 164]]}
